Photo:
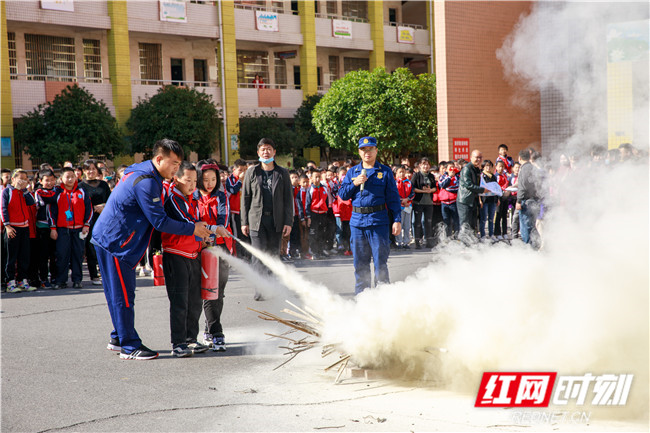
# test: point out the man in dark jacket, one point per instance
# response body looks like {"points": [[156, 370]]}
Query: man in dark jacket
{"points": [[266, 202], [468, 191]]}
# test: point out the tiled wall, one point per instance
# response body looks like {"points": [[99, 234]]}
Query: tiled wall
{"points": [[474, 99]]}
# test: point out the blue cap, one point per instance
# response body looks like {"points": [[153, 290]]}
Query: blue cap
{"points": [[367, 142]]}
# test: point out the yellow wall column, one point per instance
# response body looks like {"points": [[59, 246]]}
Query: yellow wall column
{"points": [[229, 78], [431, 64], [6, 109], [119, 61], [308, 62], [376, 18]]}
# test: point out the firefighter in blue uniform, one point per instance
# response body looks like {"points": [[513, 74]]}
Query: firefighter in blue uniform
{"points": [[373, 191]]}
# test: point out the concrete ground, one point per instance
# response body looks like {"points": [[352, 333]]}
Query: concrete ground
{"points": [[58, 376]]}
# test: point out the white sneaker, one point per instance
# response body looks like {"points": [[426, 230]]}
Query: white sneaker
{"points": [[142, 273], [96, 281], [500, 238], [147, 268], [494, 238]]}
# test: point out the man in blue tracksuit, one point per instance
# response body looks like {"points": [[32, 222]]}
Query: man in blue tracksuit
{"points": [[121, 236], [373, 191]]}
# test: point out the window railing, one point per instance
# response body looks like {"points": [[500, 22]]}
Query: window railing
{"points": [[413, 26], [181, 83], [259, 8], [64, 78], [266, 86], [341, 17]]}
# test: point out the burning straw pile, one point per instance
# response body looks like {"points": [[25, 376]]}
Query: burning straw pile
{"points": [[309, 324]]}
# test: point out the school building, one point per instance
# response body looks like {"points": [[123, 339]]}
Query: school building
{"points": [[122, 51]]}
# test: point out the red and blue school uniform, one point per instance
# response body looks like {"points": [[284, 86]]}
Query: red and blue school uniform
{"points": [[507, 161], [214, 209], [16, 213], [46, 245], [302, 203], [448, 193], [317, 211], [182, 269], [501, 221], [405, 190], [294, 237], [69, 213]]}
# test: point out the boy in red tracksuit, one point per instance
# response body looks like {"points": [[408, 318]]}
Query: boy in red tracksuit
{"points": [[182, 266], [70, 216], [16, 222], [303, 203], [449, 184], [406, 193], [501, 222], [508, 162], [233, 186], [343, 217], [317, 211], [214, 210]]}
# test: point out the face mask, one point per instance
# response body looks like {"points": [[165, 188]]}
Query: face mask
{"points": [[266, 161]]}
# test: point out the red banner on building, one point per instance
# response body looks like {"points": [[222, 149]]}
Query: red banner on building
{"points": [[461, 148]]}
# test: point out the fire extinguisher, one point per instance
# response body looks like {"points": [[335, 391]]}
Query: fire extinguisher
{"points": [[158, 274], [209, 275]]}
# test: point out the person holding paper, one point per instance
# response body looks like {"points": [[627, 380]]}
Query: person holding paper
{"points": [[488, 201]]}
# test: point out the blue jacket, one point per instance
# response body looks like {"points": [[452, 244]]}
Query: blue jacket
{"points": [[133, 210], [380, 189]]}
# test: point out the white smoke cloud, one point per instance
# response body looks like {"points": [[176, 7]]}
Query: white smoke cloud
{"points": [[578, 306]]}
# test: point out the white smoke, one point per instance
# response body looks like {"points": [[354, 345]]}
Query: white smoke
{"points": [[578, 306]]}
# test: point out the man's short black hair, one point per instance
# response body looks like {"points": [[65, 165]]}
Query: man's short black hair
{"points": [[66, 169], [524, 154], [266, 141], [503, 146], [166, 146]]}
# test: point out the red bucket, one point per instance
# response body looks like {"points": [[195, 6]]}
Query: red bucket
{"points": [[158, 274], [209, 276]]}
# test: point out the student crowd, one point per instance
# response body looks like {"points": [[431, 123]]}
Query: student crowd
{"points": [[47, 219]]}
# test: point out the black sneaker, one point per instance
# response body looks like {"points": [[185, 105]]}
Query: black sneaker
{"points": [[181, 351], [218, 344], [76, 285], [114, 345], [141, 354]]}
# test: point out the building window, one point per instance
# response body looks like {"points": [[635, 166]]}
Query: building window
{"points": [[150, 63], [333, 69], [251, 63], [355, 64], [92, 61], [200, 72], [13, 68], [280, 69], [50, 57], [355, 9], [277, 6], [331, 7]]}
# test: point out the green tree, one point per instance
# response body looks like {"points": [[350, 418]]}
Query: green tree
{"points": [[72, 124], [398, 109], [253, 128], [303, 123], [184, 115]]}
